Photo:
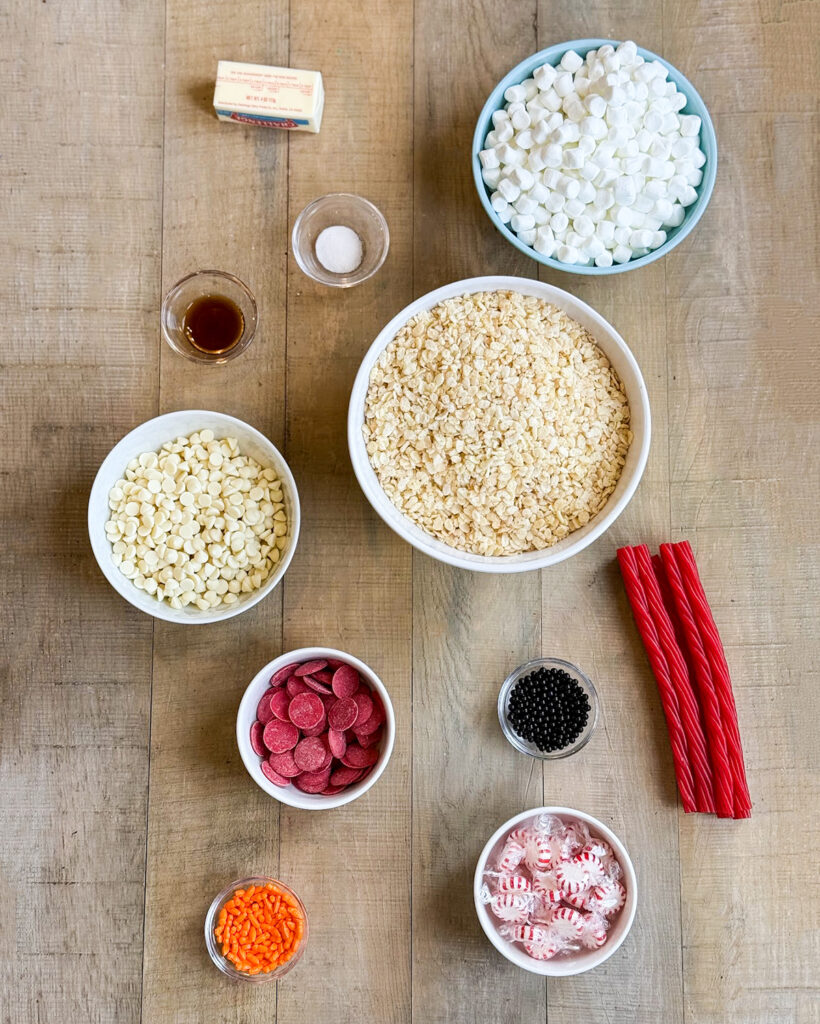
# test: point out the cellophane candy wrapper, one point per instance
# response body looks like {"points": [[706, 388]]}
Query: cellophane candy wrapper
{"points": [[554, 887]]}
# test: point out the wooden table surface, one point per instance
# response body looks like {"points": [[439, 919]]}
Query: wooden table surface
{"points": [[125, 806]]}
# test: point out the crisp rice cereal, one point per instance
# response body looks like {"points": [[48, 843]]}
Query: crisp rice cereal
{"points": [[495, 423]]}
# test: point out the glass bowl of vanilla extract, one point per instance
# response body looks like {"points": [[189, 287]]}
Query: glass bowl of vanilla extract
{"points": [[209, 316]]}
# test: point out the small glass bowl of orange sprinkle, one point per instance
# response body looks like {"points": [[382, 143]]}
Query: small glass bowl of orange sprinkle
{"points": [[256, 929]]}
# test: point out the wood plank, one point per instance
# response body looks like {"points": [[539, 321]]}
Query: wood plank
{"points": [[350, 584], [225, 189], [78, 273], [469, 630], [743, 420]]}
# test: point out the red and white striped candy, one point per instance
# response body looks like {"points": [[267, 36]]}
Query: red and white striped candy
{"points": [[579, 900], [595, 868], [511, 856], [567, 924], [531, 933], [575, 839], [572, 876], [542, 950], [541, 912], [608, 897], [514, 883], [538, 854], [599, 847], [595, 929], [511, 906], [559, 849], [520, 836]]}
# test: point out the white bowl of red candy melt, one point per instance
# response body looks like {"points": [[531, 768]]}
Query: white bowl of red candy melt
{"points": [[555, 891], [315, 728]]}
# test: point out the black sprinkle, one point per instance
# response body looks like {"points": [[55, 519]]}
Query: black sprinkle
{"points": [[548, 708]]}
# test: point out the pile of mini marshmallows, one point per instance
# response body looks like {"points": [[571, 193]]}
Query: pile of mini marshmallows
{"points": [[592, 160], [197, 522], [555, 887]]}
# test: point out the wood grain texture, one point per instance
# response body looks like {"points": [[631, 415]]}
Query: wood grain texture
{"points": [[78, 277], [124, 806], [224, 206], [350, 583]]}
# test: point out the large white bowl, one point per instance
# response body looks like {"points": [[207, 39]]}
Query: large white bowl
{"points": [[150, 436], [610, 343], [246, 716], [585, 960]]}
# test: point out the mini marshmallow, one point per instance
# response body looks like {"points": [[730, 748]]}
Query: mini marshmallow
{"points": [[677, 217], [689, 196], [544, 241], [498, 202], [641, 239], [541, 132], [586, 192], [509, 190], [489, 158], [551, 100], [590, 170], [491, 176], [554, 202], [559, 222], [521, 119], [671, 123], [571, 61], [522, 222], [504, 132], [499, 117], [573, 159], [515, 94], [584, 225], [522, 178], [551, 177], [604, 260], [622, 235], [574, 108], [535, 160], [544, 76], [540, 215], [568, 254], [524, 139], [553, 155], [530, 87], [586, 145], [526, 235], [563, 84], [525, 205], [574, 239], [593, 247], [538, 193], [595, 104], [621, 254], [574, 207], [594, 126], [509, 154], [568, 187]]}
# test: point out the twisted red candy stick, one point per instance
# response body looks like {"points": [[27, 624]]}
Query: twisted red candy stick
{"points": [[724, 784], [669, 701], [720, 674], [679, 673]]}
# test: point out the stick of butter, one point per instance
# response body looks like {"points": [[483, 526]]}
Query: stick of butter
{"points": [[270, 97]]}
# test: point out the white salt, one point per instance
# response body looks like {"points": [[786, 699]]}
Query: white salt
{"points": [[339, 249]]}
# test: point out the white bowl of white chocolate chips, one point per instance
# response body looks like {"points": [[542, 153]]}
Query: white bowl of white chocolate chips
{"points": [[194, 516]]}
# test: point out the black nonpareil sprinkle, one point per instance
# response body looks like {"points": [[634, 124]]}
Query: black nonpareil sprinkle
{"points": [[548, 708]]}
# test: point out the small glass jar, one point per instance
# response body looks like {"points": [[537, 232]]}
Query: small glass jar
{"points": [[525, 746], [214, 948], [199, 285], [355, 212]]}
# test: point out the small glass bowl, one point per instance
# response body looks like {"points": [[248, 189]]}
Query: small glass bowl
{"points": [[215, 949], [504, 702], [353, 212], [196, 286]]}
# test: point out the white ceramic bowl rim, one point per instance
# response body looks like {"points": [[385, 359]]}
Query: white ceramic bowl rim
{"points": [[169, 426], [578, 963], [246, 716], [618, 353]]}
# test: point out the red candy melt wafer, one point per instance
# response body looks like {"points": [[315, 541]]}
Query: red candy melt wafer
{"points": [[364, 702], [257, 745], [345, 776], [295, 686], [281, 675], [359, 757], [315, 684], [263, 711], [336, 742], [312, 782], [307, 668], [285, 764], [278, 736], [345, 681], [306, 710], [274, 776], [343, 714], [279, 704], [310, 754]]}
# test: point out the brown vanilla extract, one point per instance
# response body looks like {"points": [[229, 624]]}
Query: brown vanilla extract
{"points": [[213, 323]]}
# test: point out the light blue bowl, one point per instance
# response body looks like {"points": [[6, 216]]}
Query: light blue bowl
{"points": [[694, 105]]}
